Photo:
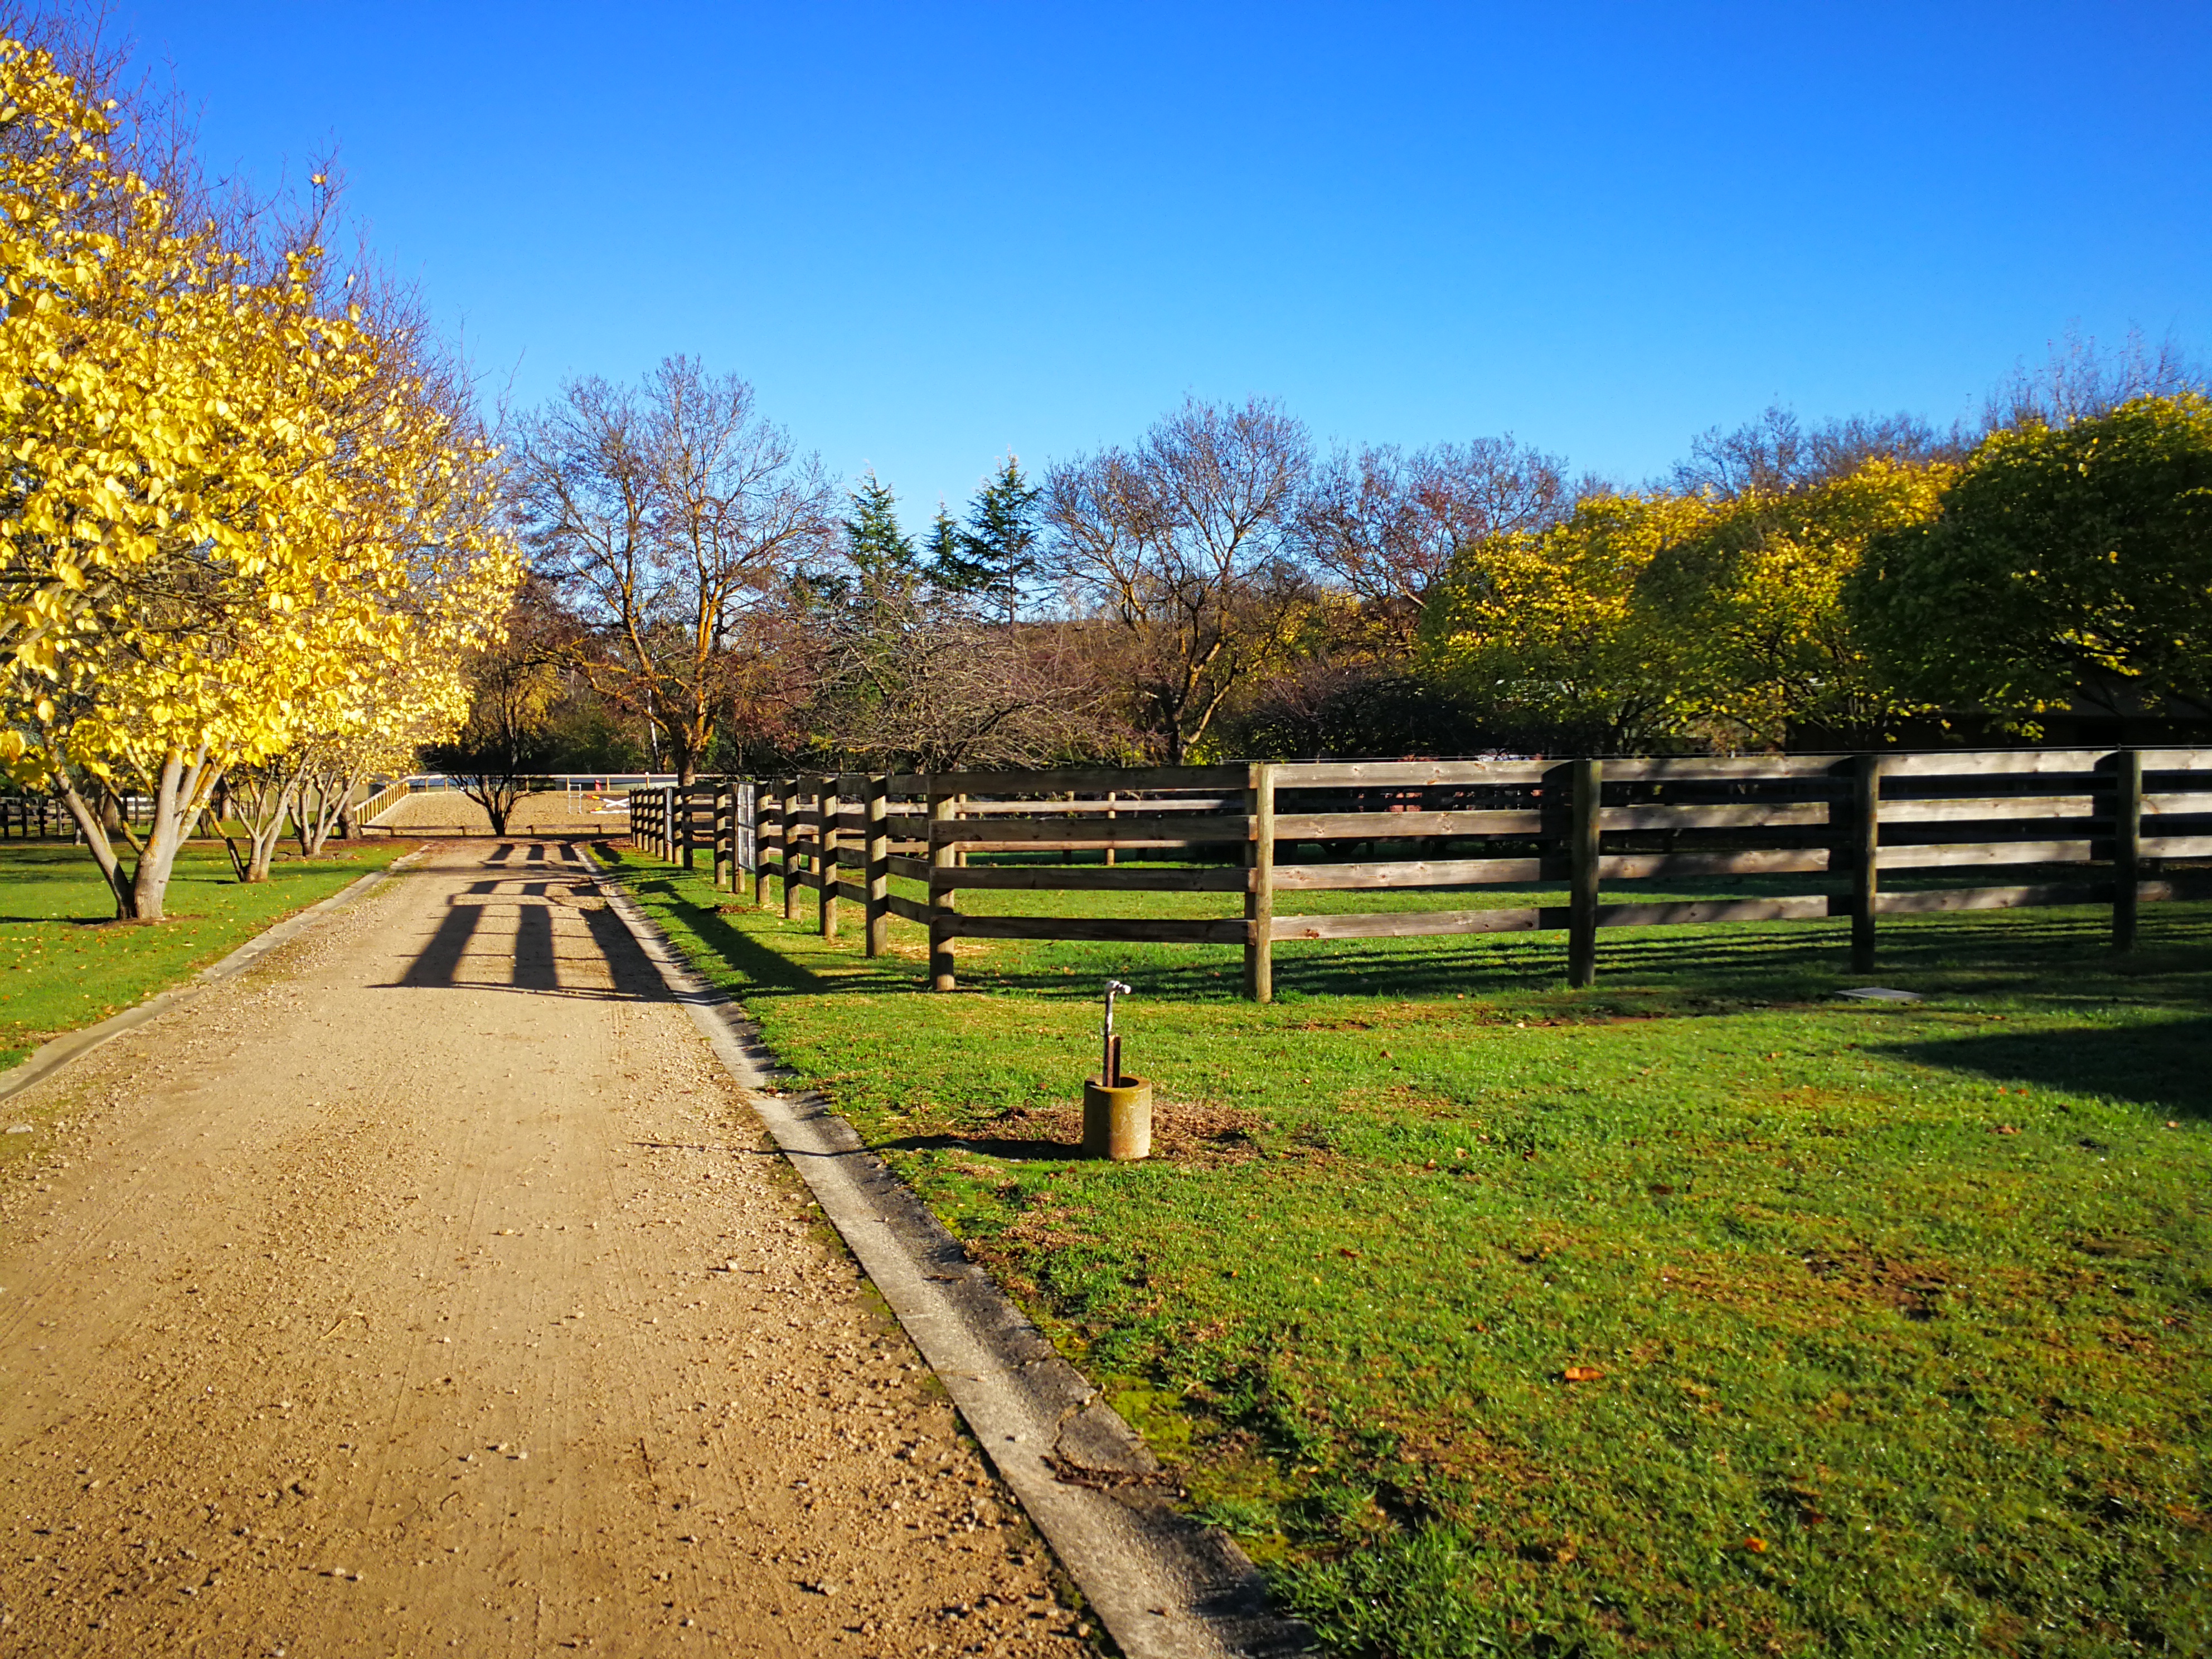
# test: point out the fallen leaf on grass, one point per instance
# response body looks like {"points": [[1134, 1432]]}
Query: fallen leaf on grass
{"points": [[1583, 1373], [1756, 1546], [2005, 1129]]}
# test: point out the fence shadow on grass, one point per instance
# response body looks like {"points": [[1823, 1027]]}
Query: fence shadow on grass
{"points": [[764, 970], [2162, 1064], [2040, 954]]}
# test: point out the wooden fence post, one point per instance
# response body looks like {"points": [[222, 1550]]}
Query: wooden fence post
{"points": [[725, 834], [1865, 858], [826, 893], [944, 898], [768, 812], [2127, 845], [1581, 895], [1260, 889], [793, 811], [878, 854], [1109, 818]]}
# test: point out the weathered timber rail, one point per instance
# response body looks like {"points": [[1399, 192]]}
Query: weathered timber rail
{"points": [[1578, 823]]}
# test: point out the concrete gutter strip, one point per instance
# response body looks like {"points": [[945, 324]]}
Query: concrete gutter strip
{"points": [[49, 1058], [1165, 1586]]}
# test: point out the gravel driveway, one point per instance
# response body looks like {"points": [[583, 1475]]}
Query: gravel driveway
{"points": [[429, 1289]]}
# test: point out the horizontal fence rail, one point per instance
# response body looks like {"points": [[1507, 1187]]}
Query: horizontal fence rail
{"points": [[1271, 830], [28, 817], [371, 812]]}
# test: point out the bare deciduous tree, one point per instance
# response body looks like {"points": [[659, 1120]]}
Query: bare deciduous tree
{"points": [[1385, 524], [2081, 380], [1778, 454], [1183, 543], [942, 688], [672, 515]]}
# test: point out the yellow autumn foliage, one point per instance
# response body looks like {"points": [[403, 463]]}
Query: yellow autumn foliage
{"points": [[1548, 629], [1653, 617], [236, 515]]}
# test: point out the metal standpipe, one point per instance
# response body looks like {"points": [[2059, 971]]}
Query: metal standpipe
{"points": [[1117, 1109]]}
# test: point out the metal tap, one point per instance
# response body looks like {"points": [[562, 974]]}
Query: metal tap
{"points": [[1110, 1070]]}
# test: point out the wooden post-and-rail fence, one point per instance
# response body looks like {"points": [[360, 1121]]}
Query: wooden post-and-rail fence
{"points": [[2116, 815]]}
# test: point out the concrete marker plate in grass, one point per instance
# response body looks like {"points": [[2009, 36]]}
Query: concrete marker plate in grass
{"points": [[1880, 993]]}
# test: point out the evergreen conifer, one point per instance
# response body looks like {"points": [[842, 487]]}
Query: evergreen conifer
{"points": [[880, 551], [992, 555]]}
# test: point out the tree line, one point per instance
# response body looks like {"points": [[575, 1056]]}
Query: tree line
{"points": [[705, 598], [258, 544]]}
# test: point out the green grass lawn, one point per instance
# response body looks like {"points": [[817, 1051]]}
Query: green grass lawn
{"points": [[1697, 1313], [64, 963]]}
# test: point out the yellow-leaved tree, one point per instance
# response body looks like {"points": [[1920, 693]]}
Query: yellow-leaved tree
{"points": [[1667, 617], [1549, 631], [1751, 604], [230, 496]]}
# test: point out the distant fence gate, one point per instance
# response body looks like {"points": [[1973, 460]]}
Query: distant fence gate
{"points": [[1455, 823]]}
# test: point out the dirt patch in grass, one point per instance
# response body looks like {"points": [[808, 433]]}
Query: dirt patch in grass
{"points": [[1913, 1289], [1205, 1132], [1200, 1133]]}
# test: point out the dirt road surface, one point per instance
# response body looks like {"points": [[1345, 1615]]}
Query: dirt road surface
{"points": [[430, 1290], [554, 813]]}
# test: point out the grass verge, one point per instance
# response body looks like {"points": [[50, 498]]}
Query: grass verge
{"points": [[65, 962], [1698, 1313]]}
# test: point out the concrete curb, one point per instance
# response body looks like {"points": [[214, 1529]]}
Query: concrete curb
{"points": [[1165, 1586], [50, 1057]]}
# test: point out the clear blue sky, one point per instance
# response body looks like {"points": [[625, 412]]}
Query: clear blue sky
{"points": [[929, 233]]}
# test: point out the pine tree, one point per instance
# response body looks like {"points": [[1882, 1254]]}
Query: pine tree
{"points": [[994, 553], [1001, 537], [880, 551], [950, 571]]}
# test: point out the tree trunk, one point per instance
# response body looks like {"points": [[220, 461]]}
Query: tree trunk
{"points": [[272, 801], [86, 818], [164, 840], [180, 796], [498, 796], [262, 850], [333, 811]]}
